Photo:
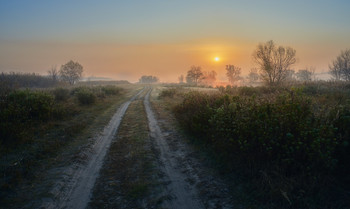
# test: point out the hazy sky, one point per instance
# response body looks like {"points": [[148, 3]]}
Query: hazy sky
{"points": [[130, 38]]}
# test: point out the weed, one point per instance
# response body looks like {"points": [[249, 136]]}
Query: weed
{"points": [[61, 94], [170, 92], [85, 96], [274, 136]]}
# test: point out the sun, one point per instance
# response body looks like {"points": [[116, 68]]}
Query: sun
{"points": [[217, 59]]}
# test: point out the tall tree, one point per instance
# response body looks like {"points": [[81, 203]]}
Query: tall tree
{"points": [[194, 75], [274, 62], [340, 67], [71, 72], [233, 74]]}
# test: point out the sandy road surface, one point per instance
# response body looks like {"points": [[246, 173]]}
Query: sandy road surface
{"points": [[74, 190], [183, 195]]}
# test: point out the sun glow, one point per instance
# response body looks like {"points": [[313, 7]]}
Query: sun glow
{"points": [[217, 59]]}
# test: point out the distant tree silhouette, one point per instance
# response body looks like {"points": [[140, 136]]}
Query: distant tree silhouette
{"points": [[253, 76], [289, 75], [340, 67], [194, 75], [148, 79], [53, 73], [305, 74], [181, 79], [233, 74], [71, 72], [208, 78], [274, 62]]}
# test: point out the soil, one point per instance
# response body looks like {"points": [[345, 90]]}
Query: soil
{"points": [[140, 160], [200, 180], [74, 188]]}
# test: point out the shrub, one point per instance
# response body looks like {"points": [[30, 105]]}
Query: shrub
{"points": [[285, 130], [85, 96], [19, 109], [170, 92], [61, 94], [280, 137], [110, 90], [26, 80], [247, 91]]}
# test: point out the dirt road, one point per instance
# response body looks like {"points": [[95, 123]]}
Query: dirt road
{"points": [[138, 163], [184, 195], [74, 190]]}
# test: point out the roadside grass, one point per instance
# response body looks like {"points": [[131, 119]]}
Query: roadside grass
{"points": [[129, 176], [51, 143], [261, 184]]}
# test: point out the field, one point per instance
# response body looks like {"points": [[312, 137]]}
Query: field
{"points": [[289, 145], [96, 145]]}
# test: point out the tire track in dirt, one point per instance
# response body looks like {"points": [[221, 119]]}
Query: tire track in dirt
{"points": [[75, 189], [183, 195]]}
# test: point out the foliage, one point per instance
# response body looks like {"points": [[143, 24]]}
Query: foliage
{"points": [[305, 74], [34, 127], [169, 92], [148, 79], [194, 75], [71, 72], [280, 133], [25, 80], [110, 90], [274, 62], [253, 76], [53, 73], [21, 108], [85, 96], [340, 67], [233, 74], [60, 94]]}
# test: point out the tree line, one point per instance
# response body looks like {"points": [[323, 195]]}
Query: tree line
{"points": [[273, 68]]}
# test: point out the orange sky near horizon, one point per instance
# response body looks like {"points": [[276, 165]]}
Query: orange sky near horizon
{"points": [[131, 61], [124, 40]]}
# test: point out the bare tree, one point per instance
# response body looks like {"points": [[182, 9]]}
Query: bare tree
{"points": [[208, 78], [274, 62], [306, 74], [233, 74], [253, 76], [71, 72], [340, 67], [290, 75], [194, 75], [181, 79], [53, 73]]}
